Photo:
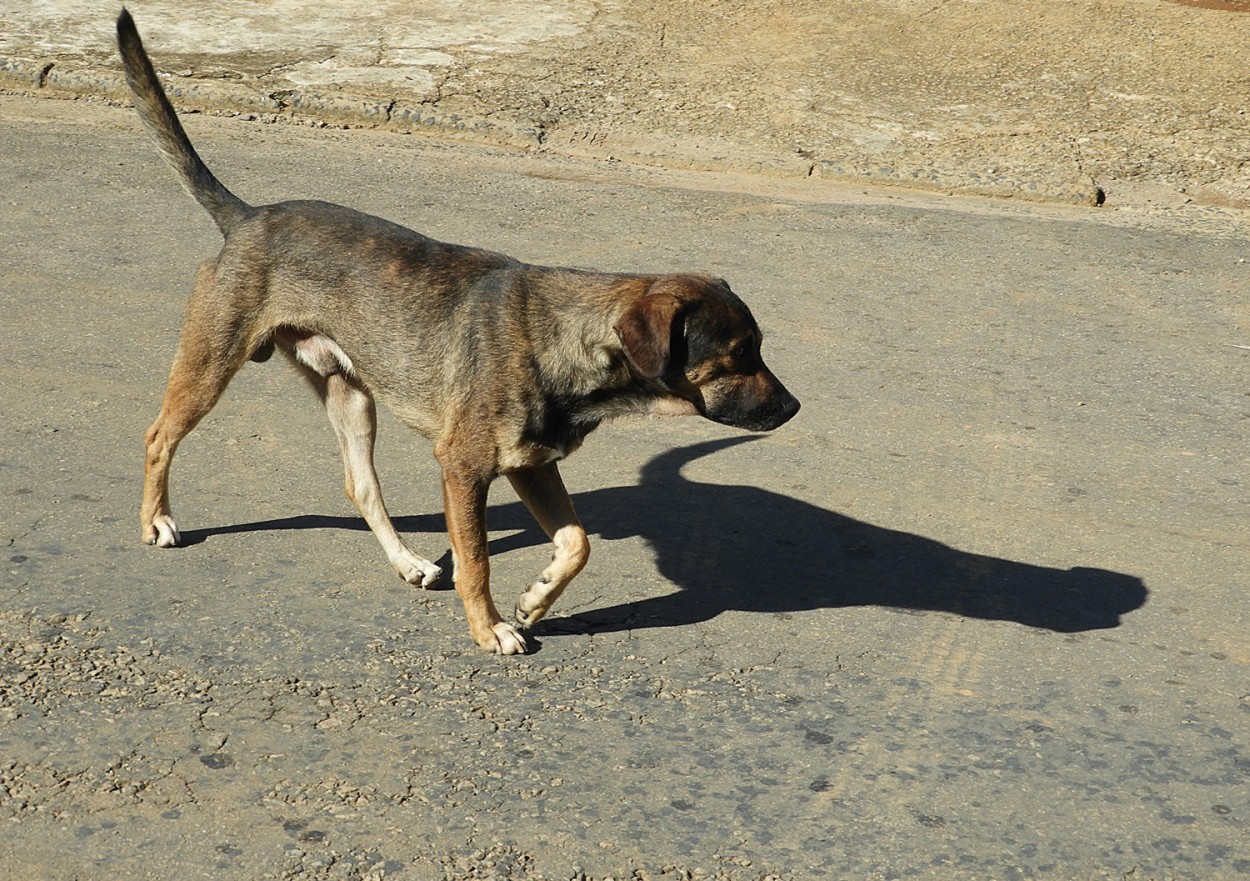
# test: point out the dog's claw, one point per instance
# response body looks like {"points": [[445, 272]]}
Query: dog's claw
{"points": [[507, 640], [163, 532], [525, 620], [416, 571], [533, 605]]}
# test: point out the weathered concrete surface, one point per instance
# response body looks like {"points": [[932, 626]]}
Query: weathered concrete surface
{"points": [[1131, 100], [978, 612]]}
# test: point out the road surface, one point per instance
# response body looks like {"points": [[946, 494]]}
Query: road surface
{"points": [[978, 612]]}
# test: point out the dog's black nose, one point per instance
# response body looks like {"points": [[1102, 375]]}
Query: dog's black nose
{"points": [[784, 412], [780, 412]]}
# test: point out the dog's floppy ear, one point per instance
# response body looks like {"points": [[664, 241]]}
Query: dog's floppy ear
{"points": [[646, 332]]}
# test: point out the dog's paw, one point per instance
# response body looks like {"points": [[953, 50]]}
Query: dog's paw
{"points": [[162, 532], [415, 570], [507, 640], [528, 616]]}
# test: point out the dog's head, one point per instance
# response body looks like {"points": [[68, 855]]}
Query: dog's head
{"points": [[694, 337]]}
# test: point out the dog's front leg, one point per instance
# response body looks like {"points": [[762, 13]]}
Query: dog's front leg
{"points": [[464, 501], [543, 492]]}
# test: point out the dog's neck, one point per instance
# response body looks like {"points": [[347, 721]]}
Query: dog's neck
{"points": [[588, 379]]}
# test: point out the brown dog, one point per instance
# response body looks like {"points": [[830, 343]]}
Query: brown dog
{"points": [[505, 366]]}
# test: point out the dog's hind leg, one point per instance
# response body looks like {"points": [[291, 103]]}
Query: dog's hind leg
{"points": [[354, 417], [353, 414], [543, 492], [210, 351]]}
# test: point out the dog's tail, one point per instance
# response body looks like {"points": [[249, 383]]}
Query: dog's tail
{"points": [[158, 115]]}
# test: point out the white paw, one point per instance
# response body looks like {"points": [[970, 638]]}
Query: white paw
{"points": [[526, 616], [414, 570], [163, 532], [507, 640]]}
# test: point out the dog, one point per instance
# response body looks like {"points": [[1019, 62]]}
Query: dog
{"points": [[505, 366]]}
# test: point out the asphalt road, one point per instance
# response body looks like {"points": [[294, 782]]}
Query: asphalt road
{"points": [[978, 612]]}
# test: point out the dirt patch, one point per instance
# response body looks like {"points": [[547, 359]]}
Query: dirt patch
{"points": [[1220, 5], [935, 96]]}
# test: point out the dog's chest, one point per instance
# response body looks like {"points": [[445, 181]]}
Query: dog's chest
{"points": [[548, 436], [529, 455]]}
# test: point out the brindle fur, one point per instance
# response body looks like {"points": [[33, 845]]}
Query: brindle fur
{"points": [[505, 366]]}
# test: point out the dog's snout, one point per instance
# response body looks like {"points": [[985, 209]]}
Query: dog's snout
{"points": [[760, 405], [785, 405], [789, 408]]}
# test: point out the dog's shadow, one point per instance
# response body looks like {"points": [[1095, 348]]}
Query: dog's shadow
{"points": [[749, 549]]}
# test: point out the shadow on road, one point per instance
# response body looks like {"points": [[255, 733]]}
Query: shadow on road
{"points": [[750, 549]]}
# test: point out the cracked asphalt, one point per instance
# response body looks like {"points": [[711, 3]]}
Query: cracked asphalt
{"points": [[976, 613]]}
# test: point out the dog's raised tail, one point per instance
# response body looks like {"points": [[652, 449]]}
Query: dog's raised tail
{"points": [[158, 115]]}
